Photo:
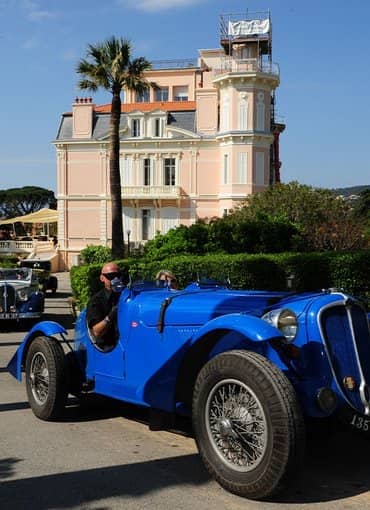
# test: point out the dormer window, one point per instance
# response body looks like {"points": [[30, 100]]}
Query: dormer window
{"points": [[158, 123], [136, 128]]}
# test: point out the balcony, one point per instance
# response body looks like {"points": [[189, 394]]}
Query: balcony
{"points": [[151, 192], [185, 63], [246, 65], [26, 247]]}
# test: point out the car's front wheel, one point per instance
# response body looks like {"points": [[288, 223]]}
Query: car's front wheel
{"points": [[248, 424], [46, 378]]}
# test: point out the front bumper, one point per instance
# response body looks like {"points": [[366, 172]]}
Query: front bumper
{"points": [[18, 316]]}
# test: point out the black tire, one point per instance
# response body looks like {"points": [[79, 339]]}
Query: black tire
{"points": [[53, 284], [73, 374], [46, 378], [248, 424]]}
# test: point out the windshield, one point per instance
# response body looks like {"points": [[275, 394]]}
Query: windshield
{"points": [[15, 274]]}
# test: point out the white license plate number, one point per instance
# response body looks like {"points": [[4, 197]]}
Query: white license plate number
{"points": [[360, 423]]}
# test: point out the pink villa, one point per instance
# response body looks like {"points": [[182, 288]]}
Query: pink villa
{"points": [[194, 148]]}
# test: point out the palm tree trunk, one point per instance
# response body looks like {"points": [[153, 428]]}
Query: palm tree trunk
{"points": [[115, 178]]}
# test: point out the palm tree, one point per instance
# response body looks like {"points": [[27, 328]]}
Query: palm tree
{"points": [[109, 65]]}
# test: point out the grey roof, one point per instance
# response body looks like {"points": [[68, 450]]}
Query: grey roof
{"points": [[182, 120]]}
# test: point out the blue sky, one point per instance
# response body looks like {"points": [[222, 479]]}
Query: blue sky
{"points": [[322, 48]]}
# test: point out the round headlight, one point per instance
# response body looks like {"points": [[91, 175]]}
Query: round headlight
{"points": [[23, 294], [285, 321]]}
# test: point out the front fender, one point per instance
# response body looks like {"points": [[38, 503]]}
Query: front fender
{"points": [[254, 328], [45, 328]]}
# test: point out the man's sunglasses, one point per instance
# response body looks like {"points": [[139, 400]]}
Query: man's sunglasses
{"points": [[111, 276]]}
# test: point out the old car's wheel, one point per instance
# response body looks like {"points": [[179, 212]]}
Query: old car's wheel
{"points": [[46, 378], [248, 424], [53, 284]]}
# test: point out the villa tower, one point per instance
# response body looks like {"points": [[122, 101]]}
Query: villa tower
{"points": [[193, 148]]}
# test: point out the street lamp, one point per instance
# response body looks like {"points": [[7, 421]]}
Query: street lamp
{"points": [[128, 232]]}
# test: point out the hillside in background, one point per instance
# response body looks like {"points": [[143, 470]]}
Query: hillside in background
{"points": [[352, 190]]}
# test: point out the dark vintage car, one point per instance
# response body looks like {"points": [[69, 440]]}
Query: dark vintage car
{"points": [[20, 297], [43, 269], [251, 368]]}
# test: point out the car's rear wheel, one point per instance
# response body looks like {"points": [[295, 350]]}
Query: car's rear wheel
{"points": [[46, 378], [53, 284], [248, 424]]}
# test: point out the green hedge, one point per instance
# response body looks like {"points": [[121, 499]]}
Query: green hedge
{"points": [[284, 271]]}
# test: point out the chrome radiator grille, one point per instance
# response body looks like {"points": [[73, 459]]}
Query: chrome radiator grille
{"points": [[346, 334]]}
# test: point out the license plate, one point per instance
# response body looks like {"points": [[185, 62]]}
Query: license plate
{"points": [[9, 315]]}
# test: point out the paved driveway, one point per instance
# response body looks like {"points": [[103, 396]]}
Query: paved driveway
{"points": [[104, 456]]}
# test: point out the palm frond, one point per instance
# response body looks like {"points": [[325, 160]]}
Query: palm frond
{"points": [[88, 85]]}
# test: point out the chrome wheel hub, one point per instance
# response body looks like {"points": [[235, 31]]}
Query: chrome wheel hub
{"points": [[39, 378], [236, 425]]}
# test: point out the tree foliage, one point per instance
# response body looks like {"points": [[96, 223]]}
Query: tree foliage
{"points": [[324, 220], [109, 65], [26, 200], [283, 218], [96, 255]]}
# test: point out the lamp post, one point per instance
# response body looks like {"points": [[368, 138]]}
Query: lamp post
{"points": [[128, 232]]}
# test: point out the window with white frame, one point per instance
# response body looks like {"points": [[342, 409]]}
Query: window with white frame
{"points": [[260, 168], [170, 172], [126, 169], [225, 114], [161, 94], [157, 127], [180, 93], [261, 111], [136, 127], [242, 168], [170, 218], [128, 217], [143, 96], [226, 169], [146, 224], [147, 171], [243, 113]]}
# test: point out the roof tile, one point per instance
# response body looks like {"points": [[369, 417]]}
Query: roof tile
{"points": [[173, 106]]}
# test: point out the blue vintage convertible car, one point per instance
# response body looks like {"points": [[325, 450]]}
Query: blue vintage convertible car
{"points": [[248, 366]]}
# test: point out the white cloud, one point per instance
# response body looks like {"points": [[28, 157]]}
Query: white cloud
{"points": [[158, 5], [35, 13]]}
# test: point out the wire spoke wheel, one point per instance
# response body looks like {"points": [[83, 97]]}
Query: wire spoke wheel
{"points": [[46, 378], [236, 424], [39, 378], [248, 424]]}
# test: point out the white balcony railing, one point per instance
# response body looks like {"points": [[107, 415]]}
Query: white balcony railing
{"points": [[18, 246], [246, 65], [151, 192]]}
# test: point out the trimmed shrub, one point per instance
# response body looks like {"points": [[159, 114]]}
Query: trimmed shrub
{"points": [[304, 271]]}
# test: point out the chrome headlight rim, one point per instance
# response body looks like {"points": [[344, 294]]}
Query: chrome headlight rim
{"points": [[285, 320], [23, 294]]}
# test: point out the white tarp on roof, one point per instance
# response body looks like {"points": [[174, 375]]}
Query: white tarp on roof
{"points": [[251, 27]]}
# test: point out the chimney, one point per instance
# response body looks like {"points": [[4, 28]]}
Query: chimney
{"points": [[82, 115]]}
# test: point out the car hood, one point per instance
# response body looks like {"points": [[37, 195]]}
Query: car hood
{"points": [[200, 306]]}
